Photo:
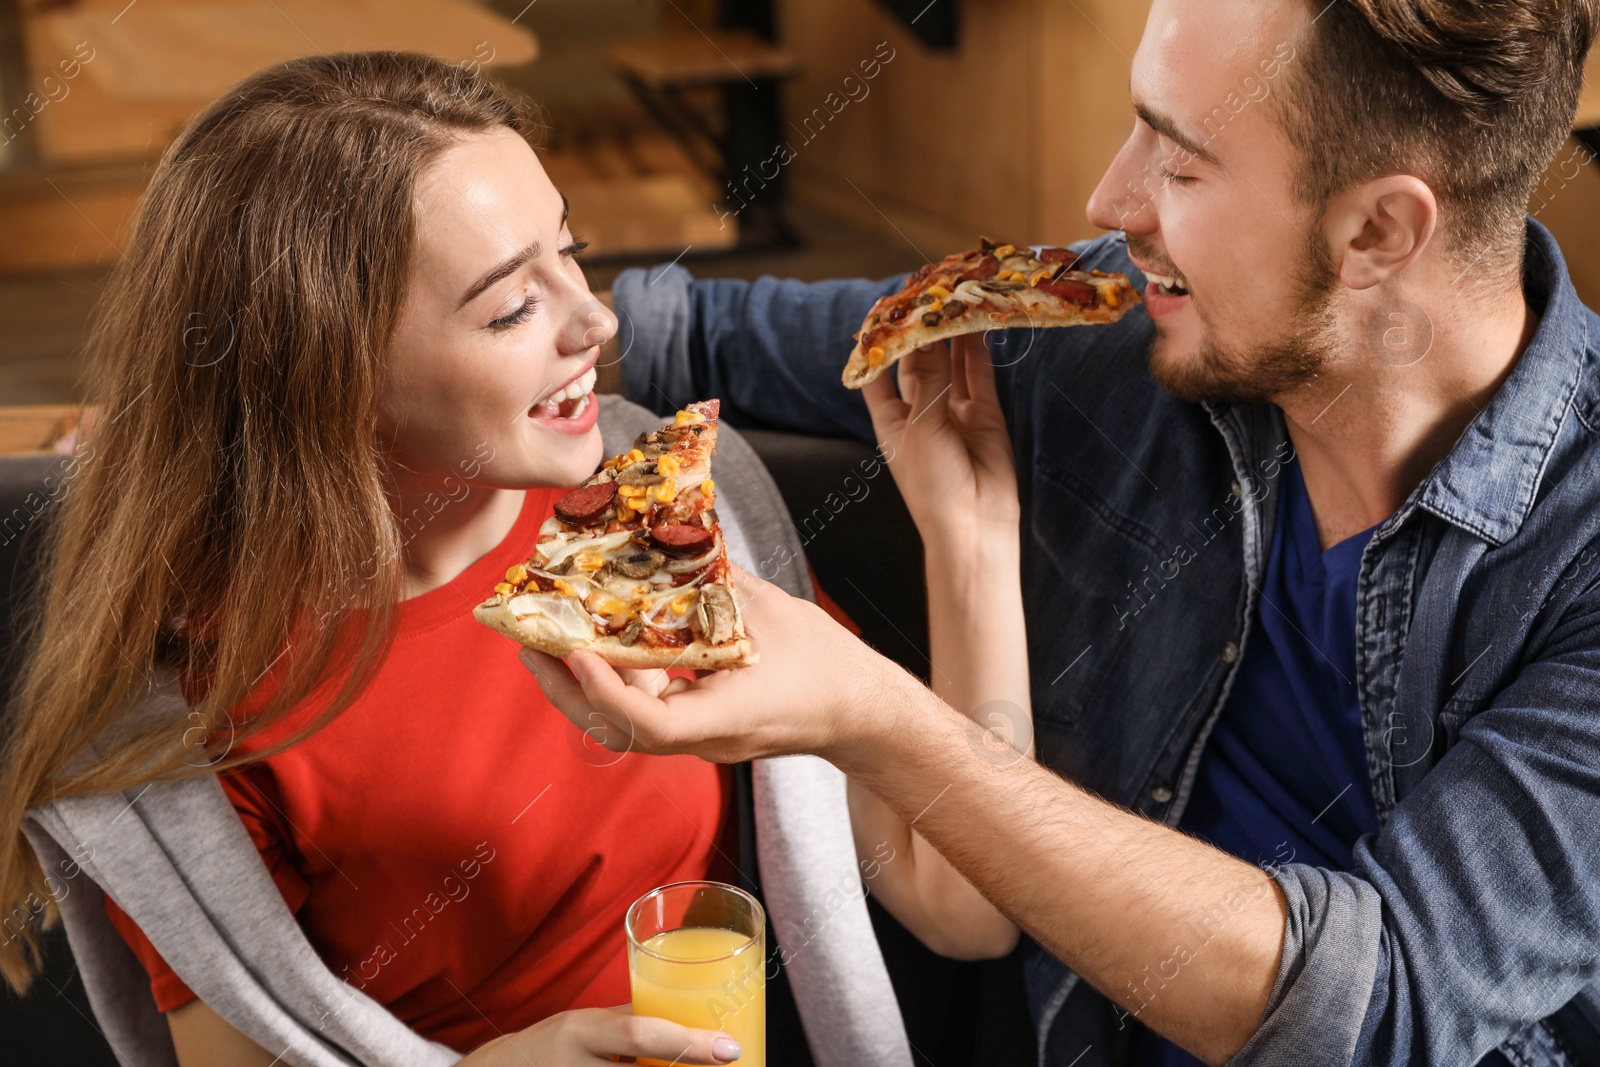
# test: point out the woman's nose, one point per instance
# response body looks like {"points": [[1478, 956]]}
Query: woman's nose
{"points": [[591, 324]]}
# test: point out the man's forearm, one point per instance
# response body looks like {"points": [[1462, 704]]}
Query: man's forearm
{"points": [[1182, 936]]}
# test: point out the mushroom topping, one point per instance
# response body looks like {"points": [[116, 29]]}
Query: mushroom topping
{"points": [[639, 474], [656, 442], [715, 614], [638, 563]]}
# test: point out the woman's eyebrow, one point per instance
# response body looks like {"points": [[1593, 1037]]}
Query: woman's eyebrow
{"points": [[498, 272], [516, 260]]}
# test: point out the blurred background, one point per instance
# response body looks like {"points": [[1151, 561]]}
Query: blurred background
{"points": [[809, 139], [805, 138]]}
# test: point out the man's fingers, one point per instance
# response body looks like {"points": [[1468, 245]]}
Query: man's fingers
{"points": [[747, 586], [925, 377], [564, 688], [743, 580], [888, 411], [632, 715], [652, 680], [558, 684], [980, 369], [755, 597], [676, 686], [959, 352]]}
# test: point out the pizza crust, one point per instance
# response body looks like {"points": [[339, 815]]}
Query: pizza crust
{"points": [[1032, 311], [539, 631], [991, 287]]}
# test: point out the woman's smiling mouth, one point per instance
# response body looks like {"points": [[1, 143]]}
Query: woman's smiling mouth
{"points": [[572, 409], [570, 401]]}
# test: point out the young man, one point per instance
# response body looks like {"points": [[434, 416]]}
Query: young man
{"points": [[1310, 552]]}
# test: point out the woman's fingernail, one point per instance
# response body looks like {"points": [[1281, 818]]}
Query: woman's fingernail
{"points": [[726, 1049]]}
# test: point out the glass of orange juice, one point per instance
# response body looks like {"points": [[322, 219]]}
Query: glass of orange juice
{"points": [[697, 955]]}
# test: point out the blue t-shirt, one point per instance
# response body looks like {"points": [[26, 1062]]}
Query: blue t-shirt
{"points": [[1283, 777]]}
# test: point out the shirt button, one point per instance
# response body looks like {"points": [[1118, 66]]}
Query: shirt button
{"points": [[1161, 794], [1230, 653]]}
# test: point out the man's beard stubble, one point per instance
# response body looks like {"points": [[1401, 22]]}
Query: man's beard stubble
{"points": [[1259, 373]]}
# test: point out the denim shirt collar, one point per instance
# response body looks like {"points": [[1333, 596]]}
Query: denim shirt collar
{"points": [[1489, 481]]}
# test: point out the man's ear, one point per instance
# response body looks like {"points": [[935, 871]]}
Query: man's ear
{"points": [[1375, 230]]}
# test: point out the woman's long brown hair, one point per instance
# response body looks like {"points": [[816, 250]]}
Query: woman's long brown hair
{"points": [[235, 506]]}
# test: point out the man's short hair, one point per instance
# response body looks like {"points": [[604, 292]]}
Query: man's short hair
{"points": [[1473, 97]]}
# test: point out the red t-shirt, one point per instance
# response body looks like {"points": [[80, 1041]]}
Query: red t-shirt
{"points": [[452, 833]]}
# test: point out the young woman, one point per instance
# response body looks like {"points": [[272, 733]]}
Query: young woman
{"points": [[345, 365], [346, 355]]}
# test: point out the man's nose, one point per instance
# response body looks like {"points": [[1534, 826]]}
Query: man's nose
{"points": [[1125, 198]]}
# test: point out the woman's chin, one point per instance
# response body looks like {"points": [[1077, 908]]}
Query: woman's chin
{"points": [[566, 460]]}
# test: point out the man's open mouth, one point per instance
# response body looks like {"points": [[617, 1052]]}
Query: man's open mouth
{"points": [[1169, 285], [568, 402]]}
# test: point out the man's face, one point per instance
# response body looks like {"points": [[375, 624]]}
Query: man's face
{"points": [[1203, 189]]}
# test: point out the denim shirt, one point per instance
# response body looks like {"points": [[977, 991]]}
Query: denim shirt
{"points": [[1470, 921]]}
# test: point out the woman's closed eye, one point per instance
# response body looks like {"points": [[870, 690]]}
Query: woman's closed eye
{"points": [[530, 304]]}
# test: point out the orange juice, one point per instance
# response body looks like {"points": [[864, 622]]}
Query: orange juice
{"points": [[693, 977]]}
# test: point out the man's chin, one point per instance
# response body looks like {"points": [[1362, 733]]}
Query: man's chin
{"points": [[1201, 373], [1175, 370]]}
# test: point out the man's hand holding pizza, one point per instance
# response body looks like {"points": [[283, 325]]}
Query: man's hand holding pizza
{"points": [[780, 705], [944, 436]]}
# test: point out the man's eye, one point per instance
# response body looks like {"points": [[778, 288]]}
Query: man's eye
{"points": [[529, 306], [576, 247], [1180, 179]]}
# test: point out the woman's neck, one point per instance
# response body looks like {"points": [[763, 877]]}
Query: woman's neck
{"points": [[446, 526]]}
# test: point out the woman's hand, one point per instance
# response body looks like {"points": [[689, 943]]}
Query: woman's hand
{"points": [[816, 688], [579, 1038], [587, 1036], [946, 442]]}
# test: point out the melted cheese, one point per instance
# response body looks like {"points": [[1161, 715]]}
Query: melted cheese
{"points": [[605, 546], [619, 594], [562, 613]]}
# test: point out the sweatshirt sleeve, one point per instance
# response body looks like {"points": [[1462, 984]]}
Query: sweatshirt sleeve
{"points": [[165, 986], [253, 794]]}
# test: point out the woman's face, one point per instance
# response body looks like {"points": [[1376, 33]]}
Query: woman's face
{"points": [[491, 372]]}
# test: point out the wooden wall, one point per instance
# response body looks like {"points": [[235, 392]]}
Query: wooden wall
{"points": [[930, 159], [1008, 134]]}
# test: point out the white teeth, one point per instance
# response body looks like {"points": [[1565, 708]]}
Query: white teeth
{"points": [[579, 386], [1168, 282]]}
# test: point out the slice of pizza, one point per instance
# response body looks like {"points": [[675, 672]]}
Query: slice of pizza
{"points": [[632, 565], [991, 287]]}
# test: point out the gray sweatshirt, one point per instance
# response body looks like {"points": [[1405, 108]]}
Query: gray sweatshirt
{"points": [[176, 858]]}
